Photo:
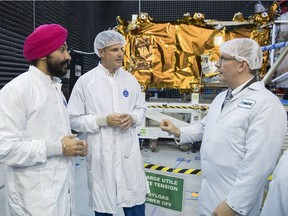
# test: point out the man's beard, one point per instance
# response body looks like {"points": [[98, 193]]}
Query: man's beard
{"points": [[56, 68]]}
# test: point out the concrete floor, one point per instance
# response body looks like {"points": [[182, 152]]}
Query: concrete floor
{"points": [[167, 154]]}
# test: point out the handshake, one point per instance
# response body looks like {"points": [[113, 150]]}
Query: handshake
{"points": [[72, 147]]}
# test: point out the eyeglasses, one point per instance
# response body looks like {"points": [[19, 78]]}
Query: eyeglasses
{"points": [[223, 59]]}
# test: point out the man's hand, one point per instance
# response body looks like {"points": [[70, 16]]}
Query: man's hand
{"points": [[74, 147], [126, 120], [223, 210], [167, 125], [114, 120], [120, 120]]}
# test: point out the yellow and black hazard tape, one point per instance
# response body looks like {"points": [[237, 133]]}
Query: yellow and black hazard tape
{"points": [[169, 169], [178, 170], [195, 107]]}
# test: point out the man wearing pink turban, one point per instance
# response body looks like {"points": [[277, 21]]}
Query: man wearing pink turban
{"points": [[36, 144]]}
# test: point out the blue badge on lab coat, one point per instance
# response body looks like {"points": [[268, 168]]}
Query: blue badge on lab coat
{"points": [[125, 93]]}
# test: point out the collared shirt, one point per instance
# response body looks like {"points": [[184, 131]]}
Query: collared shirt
{"points": [[239, 88], [107, 71]]}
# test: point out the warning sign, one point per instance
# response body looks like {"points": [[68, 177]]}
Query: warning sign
{"points": [[165, 191]]}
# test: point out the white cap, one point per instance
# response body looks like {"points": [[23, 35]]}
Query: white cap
{"points": [[107, 38], [244, 49]]}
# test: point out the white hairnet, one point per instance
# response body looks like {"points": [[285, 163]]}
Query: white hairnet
{"points": [[107, 38], [244, 49]]}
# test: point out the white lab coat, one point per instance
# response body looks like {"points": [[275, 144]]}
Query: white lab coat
{"points": [[276, 202], [116, 175], [240, 146], [34, 118]]}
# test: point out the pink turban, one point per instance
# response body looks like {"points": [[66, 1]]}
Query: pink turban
{"points": [[43, 41]]}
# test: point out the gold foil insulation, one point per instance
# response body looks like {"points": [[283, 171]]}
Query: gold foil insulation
{"points": [[170, 54]]}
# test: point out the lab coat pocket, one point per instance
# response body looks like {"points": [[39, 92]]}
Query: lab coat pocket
{"points": [[233, 135], [236, 124], [26, 183], [130, 142], [47, 180], [92, 148], [52, 183]]}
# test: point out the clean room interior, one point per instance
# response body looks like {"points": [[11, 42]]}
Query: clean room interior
{"points": [[183, 97]]}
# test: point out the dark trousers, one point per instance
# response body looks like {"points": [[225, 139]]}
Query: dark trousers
{"points": [[138, 210]]}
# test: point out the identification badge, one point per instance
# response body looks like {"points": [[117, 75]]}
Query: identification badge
{"points": [[247, 103]]}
